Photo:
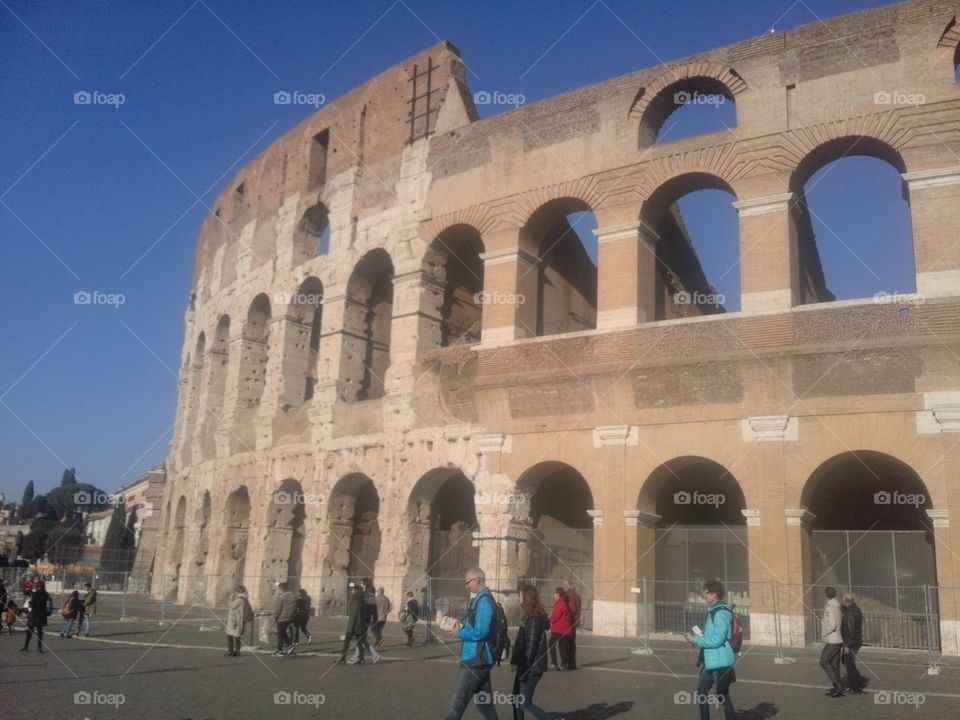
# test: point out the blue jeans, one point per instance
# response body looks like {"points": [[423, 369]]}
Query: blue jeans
{"points": [[721, 677], [526, 689], [473, 681]]}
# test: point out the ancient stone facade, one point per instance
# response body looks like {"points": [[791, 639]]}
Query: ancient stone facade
{"points": [[337, 351]]}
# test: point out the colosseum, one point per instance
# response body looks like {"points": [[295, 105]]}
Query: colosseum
{"points": [[399, 360]]}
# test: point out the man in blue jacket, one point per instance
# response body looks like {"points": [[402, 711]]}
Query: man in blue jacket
{"points": [[476, 657], [716, 656]]}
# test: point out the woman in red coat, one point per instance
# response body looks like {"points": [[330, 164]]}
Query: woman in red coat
{"points": [[561, 630]]}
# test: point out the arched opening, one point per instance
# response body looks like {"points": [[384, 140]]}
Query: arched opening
{"points": [[559, 234], [956, 63], [312, 235], [453, 262], [302, 349], [561, 538], [286, 531], [852, 222], [219, 363], [176, 548], [253, 362], [197, 580], [354, 537], [687, 107], [233, 549], [699, 534], [366, 334], [870, 535], [194, 393], [695, 232], [443, 518]]}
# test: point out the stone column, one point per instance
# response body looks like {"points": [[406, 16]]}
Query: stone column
{"points": [[640, 560], [626, 283], [413, 300], [329, 388], [948, 600], [510, 284], [769, 265], [935, 219], [793, 596]]}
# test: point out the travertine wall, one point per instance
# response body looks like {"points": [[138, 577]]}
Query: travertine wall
{"points": [[769, 393]]}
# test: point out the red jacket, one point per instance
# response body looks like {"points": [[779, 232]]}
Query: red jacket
{"points": [[576, 607], [561, 619]]}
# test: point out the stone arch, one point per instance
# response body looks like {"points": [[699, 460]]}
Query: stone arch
{"points": [[566, 295], [353, 537], [442, 513], [254, 356], [454, 267], [681, 287], [311, 237], [233, 547], [367, 321], [286, 533], [950, 42], [197, 576], [691, 529], [219, 359], [654, 103], [302, 341], [811, 281], [868, 532]]}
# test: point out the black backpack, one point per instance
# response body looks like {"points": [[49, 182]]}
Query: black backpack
{"points": [[499, 641]]}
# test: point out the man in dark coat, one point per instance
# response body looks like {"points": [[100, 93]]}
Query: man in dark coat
{"points": [[36, 615], [851, 630]]}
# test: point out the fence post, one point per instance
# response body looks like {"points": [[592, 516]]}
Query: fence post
{"points": [[933, 631], [203, 610], [123, 602], [642, 630], [778, 627], [163, 602]]}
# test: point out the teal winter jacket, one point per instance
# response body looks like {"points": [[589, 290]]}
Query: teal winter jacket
{"points": [[476, 629], [715, 640]]}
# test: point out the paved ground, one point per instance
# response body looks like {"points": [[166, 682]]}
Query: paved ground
{"points": [[140, 669]]}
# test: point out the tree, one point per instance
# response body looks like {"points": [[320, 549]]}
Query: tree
{"points": [[69, 476], [76, 497], [129, 544], [27, 503], [36, 541], [111, 555], [66, 541]]}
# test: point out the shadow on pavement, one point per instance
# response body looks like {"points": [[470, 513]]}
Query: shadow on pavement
{"points": [[762, 711], [597, 711]]}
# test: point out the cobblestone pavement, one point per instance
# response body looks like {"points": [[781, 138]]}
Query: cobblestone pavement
{"points": [[140, 669]]}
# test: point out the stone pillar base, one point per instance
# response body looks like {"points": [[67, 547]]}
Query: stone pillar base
{"points": [[763, 630], [615, 618], [950, 637]]}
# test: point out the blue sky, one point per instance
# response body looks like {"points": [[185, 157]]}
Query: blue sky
{"points": [[109, 199]]}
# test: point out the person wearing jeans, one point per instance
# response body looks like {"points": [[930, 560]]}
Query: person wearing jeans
{"points": [[89, 609], [832, 642], [716, 656], [283, 613], [529, 656], [476, 657], [851, 630]]}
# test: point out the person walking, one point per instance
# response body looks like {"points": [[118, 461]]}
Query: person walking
{"points": [[10, 613], [357, 626], [576, 610], [717, 658], [561, 625], [529, 656], [384, 606], [302, 617], [851, 632], [89, 609], [70, 613], [37, 613], [476, 632], [239, 613], [832, 642], [283, 612], [409, 616]]}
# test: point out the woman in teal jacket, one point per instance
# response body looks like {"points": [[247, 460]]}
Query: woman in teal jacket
{"points": [[716, 655]]}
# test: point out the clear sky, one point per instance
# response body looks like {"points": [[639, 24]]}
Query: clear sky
{"points": [[107, 197]]}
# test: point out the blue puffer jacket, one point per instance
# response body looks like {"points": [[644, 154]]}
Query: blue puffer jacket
{"points": [[477, 628], [717, 652]]}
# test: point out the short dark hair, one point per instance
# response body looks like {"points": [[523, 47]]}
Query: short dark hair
{"points": [[715, 587], [283, 586], [560, 591], [830, 592], [87, 585]]}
